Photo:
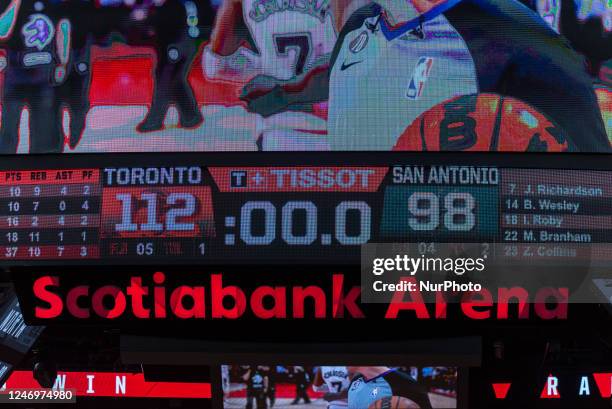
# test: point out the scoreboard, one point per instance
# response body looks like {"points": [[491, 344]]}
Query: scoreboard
{"points": [[315, 208]]}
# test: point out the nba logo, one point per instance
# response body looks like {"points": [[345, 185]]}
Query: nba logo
{"points": [[419, 77], [238, 178]]}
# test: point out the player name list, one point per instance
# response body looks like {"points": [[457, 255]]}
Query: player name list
{"points": [[556, 206]]}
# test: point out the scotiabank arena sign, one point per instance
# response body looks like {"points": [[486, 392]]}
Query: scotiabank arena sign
{"points": [[160, 296]]}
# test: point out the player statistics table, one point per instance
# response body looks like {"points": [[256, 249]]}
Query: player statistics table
{"points": [[309, 208]]}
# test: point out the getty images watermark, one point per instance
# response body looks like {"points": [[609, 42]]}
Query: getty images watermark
{"points": [[517, 272], [423, 267]]}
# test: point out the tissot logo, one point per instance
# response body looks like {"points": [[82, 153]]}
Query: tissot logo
{"points": [[238, 178]]}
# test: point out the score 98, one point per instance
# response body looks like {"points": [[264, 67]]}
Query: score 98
{"points": [[454, 211]]}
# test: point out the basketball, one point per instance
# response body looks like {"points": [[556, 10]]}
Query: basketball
{"points": [[483, 122]]}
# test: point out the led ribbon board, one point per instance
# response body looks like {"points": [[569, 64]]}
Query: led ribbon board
{"points": [[317, 209]]}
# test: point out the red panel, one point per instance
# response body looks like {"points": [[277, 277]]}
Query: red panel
{"points": [[124, 75], [501, 390], [283, 391], [604, 384], [300, 179], [125, 81], [202, 217], [107, 384]]}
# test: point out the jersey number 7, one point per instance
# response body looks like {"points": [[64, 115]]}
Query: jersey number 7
{"points": [[299, 42]]}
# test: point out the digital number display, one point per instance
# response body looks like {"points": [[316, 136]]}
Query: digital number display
{"points": [[215, 211], [50, 214]]}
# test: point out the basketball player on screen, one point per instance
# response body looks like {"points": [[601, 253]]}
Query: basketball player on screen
{"points": [[225, 381], [257, 387], [334, 381], [287, 45], [395, 60], [378, 387], [587, 25]]}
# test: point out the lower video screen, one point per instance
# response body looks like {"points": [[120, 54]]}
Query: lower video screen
{"points": [[336, 387]]}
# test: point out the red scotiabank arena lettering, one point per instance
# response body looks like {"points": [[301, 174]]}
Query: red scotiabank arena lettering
{"points": [[274, 302]]}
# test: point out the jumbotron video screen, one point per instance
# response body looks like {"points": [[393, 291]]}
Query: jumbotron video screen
{"points": [[339, 204], [296, 75], [330, 386]]}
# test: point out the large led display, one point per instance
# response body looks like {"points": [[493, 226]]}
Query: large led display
{"points": [[338, 387], [209, 210], [249, 75]]}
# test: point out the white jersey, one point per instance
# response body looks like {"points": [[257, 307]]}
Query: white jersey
{"points": [[225, 379], [291, 36], [337, 380], [382, 81]]}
